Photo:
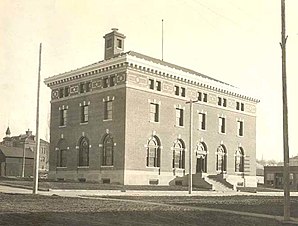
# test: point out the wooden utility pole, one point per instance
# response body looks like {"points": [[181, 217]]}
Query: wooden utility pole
{"points": [[285, 116], [36, 156]]}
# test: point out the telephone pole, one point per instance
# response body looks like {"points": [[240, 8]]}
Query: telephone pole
{"points": [[285, 115], [36, 154]]}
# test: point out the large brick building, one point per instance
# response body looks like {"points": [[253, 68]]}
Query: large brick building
{"points": [[125, 120]]}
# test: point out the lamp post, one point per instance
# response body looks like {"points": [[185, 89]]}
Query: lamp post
{"points": [[24, 158], [190, 102]]}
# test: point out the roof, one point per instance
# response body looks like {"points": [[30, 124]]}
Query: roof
{"points": [[189, 74], [158, 61], [16, 152]]}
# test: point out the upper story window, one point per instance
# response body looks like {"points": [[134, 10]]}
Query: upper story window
{"points": [[202, 121], [84, 112], [222, 101], [109, 43], [240, 128], [158, 85], [239, 106], [82, 87], [182, 91], [154, 112], [179, 117], [105, 82], [176, 90], [151, 84], [63, 117], [61, 92], [179, 91], [222, 124], [108, 110], [66, 91], [202, 97], [119, 43], [112, 80], [88, 86]]}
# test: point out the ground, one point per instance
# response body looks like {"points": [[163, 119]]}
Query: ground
{"points": [[123, 208], [21, 209]]}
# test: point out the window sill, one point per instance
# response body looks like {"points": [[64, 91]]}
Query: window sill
{"points": [[83, 167], [154, 122], [152, 167], [83, 123], [222, 133], [107, 120], [240, 136], [202, 129], [61, 167], [62, 126], [179, 126], [107, 166]]}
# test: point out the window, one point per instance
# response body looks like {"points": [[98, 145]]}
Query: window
{"points": [[202, 97], [221, 159], [158, 85], [179, 154], [112, 80], [61, 153], [84, 152], [84, 113], [202, 121], [63, 117], [176, 90], [182, 91], [61, 93], [153, 152], [108, 151], [222, 101], [205, 98], [179, 117], [62, 158], [105, 82], [154, 112], [109, 43], [119, 43], [239, 160], [201, 154], [237, 105], [66, 91], [82, 87], [108, 109], [240, 128], [88, 86], [151, 84], [222, 124]]}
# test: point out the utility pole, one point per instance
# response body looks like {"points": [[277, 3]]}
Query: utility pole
{"points": [[36, 156], [162, 39], [24, 158], [190, 146], [285, 115]]}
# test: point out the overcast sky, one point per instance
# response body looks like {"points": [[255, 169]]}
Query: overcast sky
{"points": [[236, 41]]}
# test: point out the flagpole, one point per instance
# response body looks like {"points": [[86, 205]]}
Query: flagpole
{"points": [[36, 155]]}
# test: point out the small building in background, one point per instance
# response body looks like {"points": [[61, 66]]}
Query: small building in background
{"points": [[273, 175], [11, 161], [15, 149]]}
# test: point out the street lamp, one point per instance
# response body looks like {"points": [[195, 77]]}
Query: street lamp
{"points": [[24, 158], [190, 143]]}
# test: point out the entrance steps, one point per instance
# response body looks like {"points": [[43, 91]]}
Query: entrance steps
{"points": [[218, 183]]}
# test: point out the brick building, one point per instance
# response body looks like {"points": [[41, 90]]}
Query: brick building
{"points": [[125, 120], [27, 141]]}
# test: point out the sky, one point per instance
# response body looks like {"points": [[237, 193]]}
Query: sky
{"points": [[236, 41]]}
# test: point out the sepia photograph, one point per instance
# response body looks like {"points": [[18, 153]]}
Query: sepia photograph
{"points": [[153, 112]]}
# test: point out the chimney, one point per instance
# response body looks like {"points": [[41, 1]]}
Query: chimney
{"points": [[114, 44]]}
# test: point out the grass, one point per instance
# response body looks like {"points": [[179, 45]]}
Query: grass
{"points": [[54, 210]]}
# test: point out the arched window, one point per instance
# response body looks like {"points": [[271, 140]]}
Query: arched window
{"points": [[239, 160], [153, 152], [221, 159], [108, 151], [201, 154], [61, 153], [84, 152], [179, 154]]}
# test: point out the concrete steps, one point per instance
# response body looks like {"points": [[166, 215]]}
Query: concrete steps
{"points": [[218, 185]]}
